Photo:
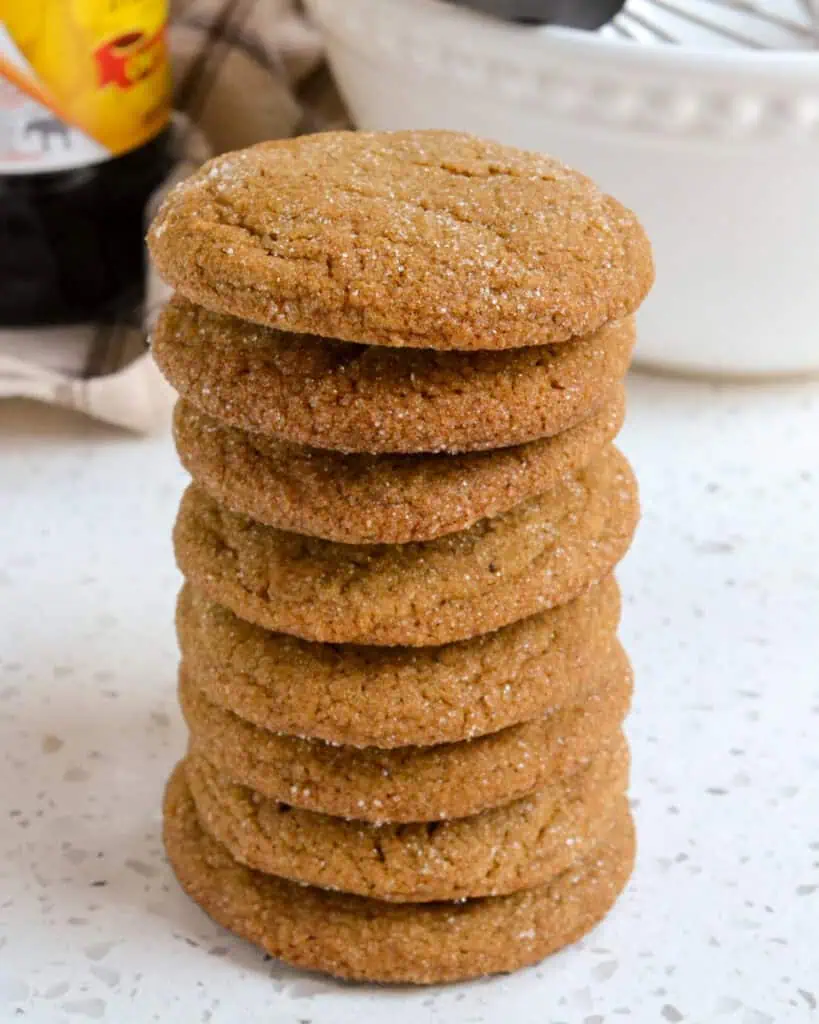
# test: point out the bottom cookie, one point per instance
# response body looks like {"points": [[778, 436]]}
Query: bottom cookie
{"points": [[363, 939]]}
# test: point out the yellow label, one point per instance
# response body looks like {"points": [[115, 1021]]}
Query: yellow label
{"points": [[99, 67]]}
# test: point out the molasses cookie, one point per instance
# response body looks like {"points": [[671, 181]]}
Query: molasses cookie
{"points": [[397, 696], [351, 398], [542, 553], [504, 850], [372, 499], [449, 780], [428, 239], [363, 939]]}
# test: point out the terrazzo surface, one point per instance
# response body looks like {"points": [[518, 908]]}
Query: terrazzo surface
{"points": [[721, 921]]}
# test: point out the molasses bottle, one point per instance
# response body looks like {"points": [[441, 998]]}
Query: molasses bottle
{"points": [[84, 141]]}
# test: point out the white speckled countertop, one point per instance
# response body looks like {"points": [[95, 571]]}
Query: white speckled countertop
{"points": [[721, 922]]}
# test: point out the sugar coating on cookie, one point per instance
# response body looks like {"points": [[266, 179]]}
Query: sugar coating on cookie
{"points": [[398, 696], [447, 780], [539, 555], [378, 499], [363, 939], [523, 844], [327, 394], [416, 238]]}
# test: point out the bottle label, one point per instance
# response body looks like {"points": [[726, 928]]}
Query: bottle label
{"points": [[80, 81]]}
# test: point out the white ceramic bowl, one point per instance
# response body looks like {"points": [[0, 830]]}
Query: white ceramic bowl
{"points": [[718, 152]]}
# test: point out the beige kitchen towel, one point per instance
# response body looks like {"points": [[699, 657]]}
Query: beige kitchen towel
{"points": [[245, 70]]}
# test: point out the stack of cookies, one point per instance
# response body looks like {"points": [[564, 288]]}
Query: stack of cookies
{"points": [[400, 358]]}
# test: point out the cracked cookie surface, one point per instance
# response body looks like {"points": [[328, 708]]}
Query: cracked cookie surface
{"points": [[397, 696], [378, 499], [325, 394], [542, 553], [418, 238], [449, 780], [362, 939], [518, 846]]}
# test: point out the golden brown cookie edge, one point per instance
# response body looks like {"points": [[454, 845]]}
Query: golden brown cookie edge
{"points": [[366, 940]]}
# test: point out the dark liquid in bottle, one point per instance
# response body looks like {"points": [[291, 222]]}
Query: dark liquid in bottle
{"points": [[71, 242]]}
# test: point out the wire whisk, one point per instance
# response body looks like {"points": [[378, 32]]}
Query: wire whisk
{"points": [[735, 24]]}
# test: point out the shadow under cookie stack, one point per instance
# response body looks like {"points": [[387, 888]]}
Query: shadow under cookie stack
{"points": [[400, 669]]}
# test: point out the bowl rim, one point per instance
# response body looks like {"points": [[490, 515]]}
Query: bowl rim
{"points": [[572, 45]]}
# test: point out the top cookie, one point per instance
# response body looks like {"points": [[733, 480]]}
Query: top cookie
{"points": [[426, 239]]}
